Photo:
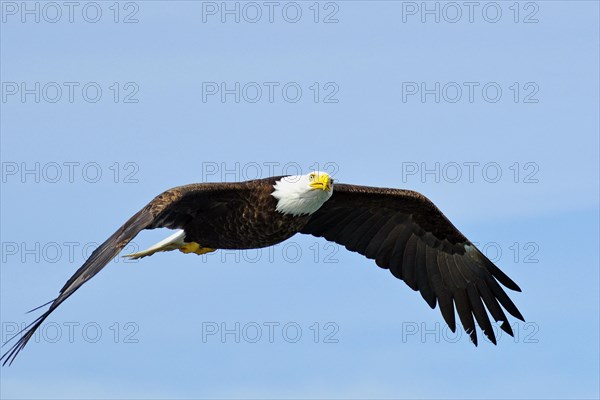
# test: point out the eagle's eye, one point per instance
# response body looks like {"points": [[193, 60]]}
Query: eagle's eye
{"points": [[312, 177], [331, 180]]}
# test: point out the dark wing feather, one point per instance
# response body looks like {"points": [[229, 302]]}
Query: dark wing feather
{"points": [[407, 234], [171, 209], [425, 257], [408, 262]]}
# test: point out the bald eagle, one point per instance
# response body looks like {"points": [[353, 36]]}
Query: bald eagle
{"points": [[401, 230]]}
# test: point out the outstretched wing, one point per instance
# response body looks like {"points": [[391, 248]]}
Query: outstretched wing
{"points": [[175, 208], [405, 232]]}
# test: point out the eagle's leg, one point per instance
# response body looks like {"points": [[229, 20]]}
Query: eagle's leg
{"points": [[193, 247]]}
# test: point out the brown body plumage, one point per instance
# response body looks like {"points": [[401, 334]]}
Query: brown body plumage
{"points": [[234, 216]]}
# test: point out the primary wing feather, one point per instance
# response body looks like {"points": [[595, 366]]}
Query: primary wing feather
{"points": [[407, 234]]}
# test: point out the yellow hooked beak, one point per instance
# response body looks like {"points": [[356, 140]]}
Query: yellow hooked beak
{"points": [[322, 182]]}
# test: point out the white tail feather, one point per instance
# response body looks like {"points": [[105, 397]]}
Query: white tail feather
{"points": [[173, 242]]}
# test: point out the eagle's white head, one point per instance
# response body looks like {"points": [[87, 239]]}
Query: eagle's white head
{"points": [[303, 194]]}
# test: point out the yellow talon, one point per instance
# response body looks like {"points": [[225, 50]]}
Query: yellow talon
{"points": [[189, 247], [195, 248], [204, 250]]}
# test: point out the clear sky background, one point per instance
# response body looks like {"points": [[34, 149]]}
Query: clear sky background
{"points": [[513, 163]]}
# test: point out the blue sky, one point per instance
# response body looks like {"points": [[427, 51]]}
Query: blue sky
{"points": [[492, 112]]}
